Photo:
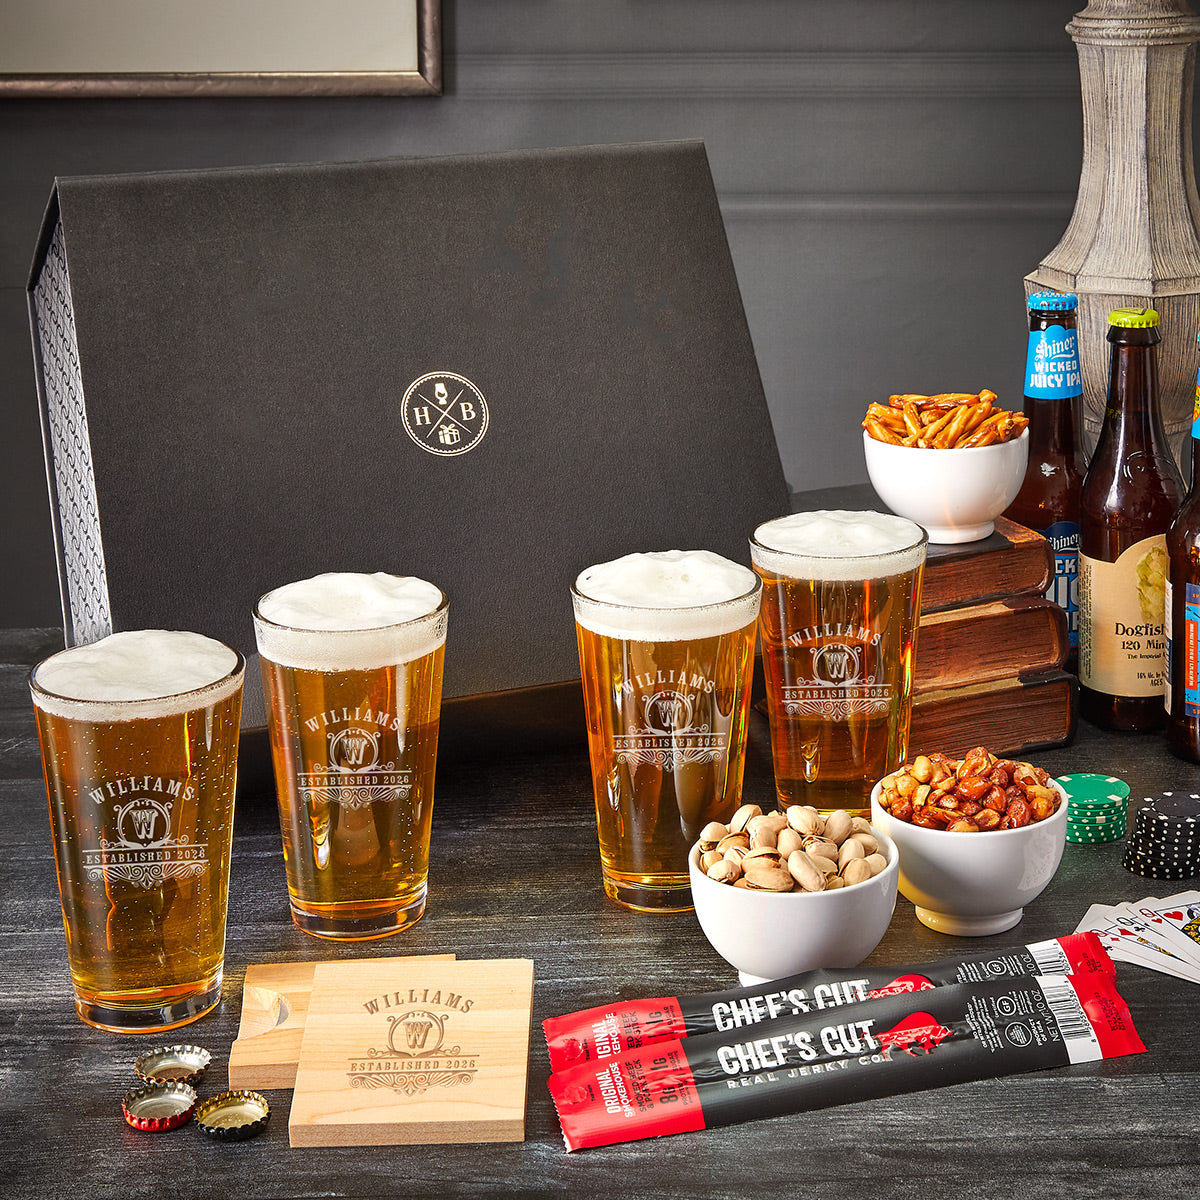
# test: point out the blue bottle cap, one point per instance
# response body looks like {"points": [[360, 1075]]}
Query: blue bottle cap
{"points": [[1053, 301]]}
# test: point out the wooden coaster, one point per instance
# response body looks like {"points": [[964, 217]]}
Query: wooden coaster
{"points": [[414, 1052], [274, 1007]]}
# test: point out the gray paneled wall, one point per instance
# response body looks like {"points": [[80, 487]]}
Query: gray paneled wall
{"points": [[888, 170]]}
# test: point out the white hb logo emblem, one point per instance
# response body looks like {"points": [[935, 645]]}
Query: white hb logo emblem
{"points": [[444, 413]]}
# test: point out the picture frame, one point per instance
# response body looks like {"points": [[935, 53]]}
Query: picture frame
{"points": [[167, 48]]}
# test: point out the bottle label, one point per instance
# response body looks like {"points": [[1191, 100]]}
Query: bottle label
{"points": [[1063, 537], [1172, 649], [1189, 648], [1196, 410], [1122, 632], [1052, 364]]}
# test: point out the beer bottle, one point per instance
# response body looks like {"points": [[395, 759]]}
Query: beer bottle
{"points": [[1182, 694], [1130, 493], [1048, 501]]}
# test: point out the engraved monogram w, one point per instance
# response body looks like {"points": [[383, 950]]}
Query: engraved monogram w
{"points": [[355, 749], [143, 822]]}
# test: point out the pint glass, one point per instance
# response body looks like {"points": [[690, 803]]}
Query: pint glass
{"points": [[666, 651], [841, 600], [139, 737], [352, 672]]}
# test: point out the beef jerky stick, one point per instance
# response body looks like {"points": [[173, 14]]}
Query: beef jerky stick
{"points": [[881, 1047], [611, 1029]]}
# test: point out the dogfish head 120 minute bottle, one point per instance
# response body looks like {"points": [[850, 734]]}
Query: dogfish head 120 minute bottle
{"points": [[1130, 494], [1048, 501]]}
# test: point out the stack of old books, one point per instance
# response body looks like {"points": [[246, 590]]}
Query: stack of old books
{"points": [[990, 649]]}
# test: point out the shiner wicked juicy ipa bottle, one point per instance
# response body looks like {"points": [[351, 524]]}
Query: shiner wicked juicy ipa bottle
{"points": [[1048, 501]]}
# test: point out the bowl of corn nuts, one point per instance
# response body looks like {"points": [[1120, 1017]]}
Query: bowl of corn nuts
{"points": [[951, 462], [979, 838], [781, 892]]}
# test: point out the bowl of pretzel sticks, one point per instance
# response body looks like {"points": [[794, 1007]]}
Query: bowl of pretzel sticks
{"points": [[952, 462]]}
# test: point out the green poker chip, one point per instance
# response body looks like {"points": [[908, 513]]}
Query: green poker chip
{"points": [[1093, 837], [1098, 822], [1096, 818], [1089, 791], [1100, 829]]}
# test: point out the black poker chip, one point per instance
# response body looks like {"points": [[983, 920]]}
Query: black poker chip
{"points": [[1165, 846], [1164, 866], [1166, 853], [1159, 846], [1165, 830], [1139, 867], [1172, 806], [1164, 849], [1164, 842]]}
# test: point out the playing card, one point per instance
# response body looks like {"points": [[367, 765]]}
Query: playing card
{"points": [[1156, 929], [1128, 939], [1180, 914], [1153, 928]]}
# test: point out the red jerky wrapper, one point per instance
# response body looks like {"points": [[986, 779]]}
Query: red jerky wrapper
{"points": [[612, 1029], [881, 1047]]}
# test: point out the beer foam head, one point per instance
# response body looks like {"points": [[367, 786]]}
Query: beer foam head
{"points": [[140, 673], [345, 621], [835, 545], [666, 596]]}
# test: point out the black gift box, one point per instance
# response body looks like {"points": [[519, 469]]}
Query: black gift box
{"points": [[489, 371]]}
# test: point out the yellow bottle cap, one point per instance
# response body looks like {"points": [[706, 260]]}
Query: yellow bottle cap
{"points": [[1133, 318]]}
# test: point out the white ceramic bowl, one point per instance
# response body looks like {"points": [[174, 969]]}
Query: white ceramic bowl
{"points": [[974, 884], [955, 494], [767, 935]]}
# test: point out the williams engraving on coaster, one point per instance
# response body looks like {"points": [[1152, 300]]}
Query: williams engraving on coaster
{"points": [[416, 1056], [444, 413]]}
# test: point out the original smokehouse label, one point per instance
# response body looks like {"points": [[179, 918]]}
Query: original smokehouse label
{"points": [[609, 1030], [670, 729], [1122, 629], [358, 770], [844, 676], [141, 843], [878, 1047]]}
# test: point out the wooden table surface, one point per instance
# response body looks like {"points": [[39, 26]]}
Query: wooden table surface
{"points": [[515, 873]]}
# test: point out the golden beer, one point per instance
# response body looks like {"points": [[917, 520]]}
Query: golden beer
{"points": [[666, 653], [353, 715], [841, 599], [139, 737]]}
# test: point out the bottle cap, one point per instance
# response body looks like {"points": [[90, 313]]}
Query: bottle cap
{"points": [[173, 1064], [158, 1107], [233, 1116], [1053, 302], [1133, 318]]}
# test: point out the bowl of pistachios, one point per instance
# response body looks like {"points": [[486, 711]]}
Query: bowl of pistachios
{"points": [[777, 893]]}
